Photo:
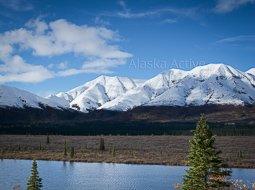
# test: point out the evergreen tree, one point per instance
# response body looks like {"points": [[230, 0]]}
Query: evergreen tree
{"points": [[205, 166], [65, 149], [48, 139], [101, 144], [113, 151], [72, 152], [40, 146], [34, 181]]}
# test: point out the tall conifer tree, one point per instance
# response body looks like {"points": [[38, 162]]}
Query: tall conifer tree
{"points": [[101, 144], [34, 181], [65, 149], [205, 166]]}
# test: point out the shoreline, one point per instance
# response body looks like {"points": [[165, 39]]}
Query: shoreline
{"points": [[126, 163]]}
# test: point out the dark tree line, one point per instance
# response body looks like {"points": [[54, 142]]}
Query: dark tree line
{"points": [[119, 128]]}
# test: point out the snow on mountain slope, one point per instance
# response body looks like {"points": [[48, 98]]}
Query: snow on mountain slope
{"points": [[97, 92], [13, 97], [251, 71], [90, 99], [58, 100], [209, 84]]}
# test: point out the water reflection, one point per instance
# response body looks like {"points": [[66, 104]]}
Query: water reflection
{"points": [[98, 176]]}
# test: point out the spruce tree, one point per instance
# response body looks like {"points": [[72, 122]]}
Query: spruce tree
{"points": [[48, 140], [34, 181], [40, 146], [65, 149], [113, 151], [72, 152], [101, 144], [205, 166]]}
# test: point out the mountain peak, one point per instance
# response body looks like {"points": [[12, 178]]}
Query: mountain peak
{"points": [[208, 84], [98, 91], [251, 71], [14, 97], [215, 69]]}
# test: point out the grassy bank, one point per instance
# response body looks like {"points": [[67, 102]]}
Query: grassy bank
{"points": [[238, 151]]}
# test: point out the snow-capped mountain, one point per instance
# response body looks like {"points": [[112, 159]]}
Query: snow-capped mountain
{"points": [[13, 97], [97, 92], [251, 71], [209, 84]]}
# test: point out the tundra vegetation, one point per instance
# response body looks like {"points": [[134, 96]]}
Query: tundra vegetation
{"points": [[237, 151]]}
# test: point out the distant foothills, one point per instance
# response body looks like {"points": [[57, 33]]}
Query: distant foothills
{"points": [[226, 95]]}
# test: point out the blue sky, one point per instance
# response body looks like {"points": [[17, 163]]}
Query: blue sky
{"points": [[51, 46]]}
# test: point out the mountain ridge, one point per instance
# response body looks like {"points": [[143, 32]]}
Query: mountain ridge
{"points": [[14, 97], [209, 84]]}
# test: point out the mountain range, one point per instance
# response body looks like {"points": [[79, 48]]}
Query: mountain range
{"points": [[212, 84]]}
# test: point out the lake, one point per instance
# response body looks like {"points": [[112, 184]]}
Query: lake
{"points": [[99, 176]]}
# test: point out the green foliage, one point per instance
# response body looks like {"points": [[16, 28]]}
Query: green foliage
{"points": [[240, 154], [101, 144], [113, 151], [48, 140], [65, 149], [72, 152], [205, 166], [34, 181]]}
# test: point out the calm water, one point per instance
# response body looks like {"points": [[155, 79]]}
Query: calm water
{"points": [[59, 175]]}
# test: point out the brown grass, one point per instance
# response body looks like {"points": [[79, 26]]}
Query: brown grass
{"points": [[170, 150]]}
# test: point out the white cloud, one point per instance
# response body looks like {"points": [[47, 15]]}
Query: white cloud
{"points": [[224, 6], [5, 49], [57, 38], [102, 64], [190, 13], [62, 65], [17, 5], [16, 69], [123, 5], [64, 37], [169, 21], [69, 72], [101, 22], [94, 66], [237, 39], [39, 26], [129, 14]]}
